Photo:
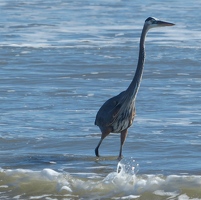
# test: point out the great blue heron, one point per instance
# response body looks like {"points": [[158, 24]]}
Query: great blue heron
{"points": [[117, 114]]}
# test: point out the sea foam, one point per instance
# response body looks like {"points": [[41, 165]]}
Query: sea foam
{"points": [[123, 183]]}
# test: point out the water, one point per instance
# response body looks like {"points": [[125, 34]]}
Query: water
{"points": [[60, 61]]}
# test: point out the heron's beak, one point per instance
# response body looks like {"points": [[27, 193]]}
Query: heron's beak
{"points": [[162, 23]]}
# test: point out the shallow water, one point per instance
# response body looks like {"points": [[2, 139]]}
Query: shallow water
{"points": [[60, 61]]}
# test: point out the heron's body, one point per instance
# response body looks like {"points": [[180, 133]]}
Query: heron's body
{"points": [[117, 114], [112, 112]]}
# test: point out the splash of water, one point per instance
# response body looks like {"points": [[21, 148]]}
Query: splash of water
{"points": [[128, 166], [124, 179]]}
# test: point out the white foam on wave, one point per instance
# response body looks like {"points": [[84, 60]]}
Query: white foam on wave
{"points": [[123, 183]]}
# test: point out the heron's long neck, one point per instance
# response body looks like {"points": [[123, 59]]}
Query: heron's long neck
{"points": [[135, 84]]}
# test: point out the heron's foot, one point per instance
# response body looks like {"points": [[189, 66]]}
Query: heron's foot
{"points": [[120, 157]]}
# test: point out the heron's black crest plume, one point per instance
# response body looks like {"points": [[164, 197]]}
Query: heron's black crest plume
{"points": [[149, 19]]}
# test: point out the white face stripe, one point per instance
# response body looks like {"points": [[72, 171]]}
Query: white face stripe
{"points": [[155, 18]]}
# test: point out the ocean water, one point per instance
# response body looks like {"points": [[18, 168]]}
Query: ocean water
{"points": [[60, 61]]}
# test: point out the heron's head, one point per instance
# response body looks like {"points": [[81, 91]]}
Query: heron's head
{"points": [[152, 22]]}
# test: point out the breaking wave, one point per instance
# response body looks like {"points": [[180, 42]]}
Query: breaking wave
{"points": [[124, 183]]}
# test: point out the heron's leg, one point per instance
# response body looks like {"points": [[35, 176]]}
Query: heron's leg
{"points": [[96, 149], [123, 137], [104, 134]]}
